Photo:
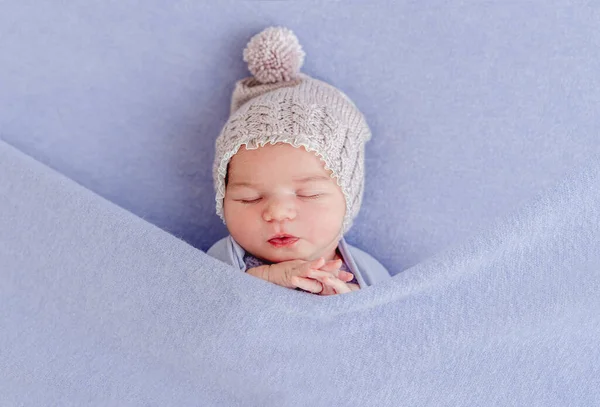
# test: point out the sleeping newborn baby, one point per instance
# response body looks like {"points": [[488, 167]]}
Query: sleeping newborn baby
{"points": [[289, 175]]}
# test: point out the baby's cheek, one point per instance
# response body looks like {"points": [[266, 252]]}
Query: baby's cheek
{"points": [[326, 221], [334, 212], [244, 233], [236, 219]]}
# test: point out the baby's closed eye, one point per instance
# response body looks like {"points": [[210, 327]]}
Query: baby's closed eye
{"points": [[315, 196], [249, 200], [309, 194]]}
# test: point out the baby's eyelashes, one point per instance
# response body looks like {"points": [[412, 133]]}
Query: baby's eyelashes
{"points": [[310, 194], [249, 201], [315, 196], [299, 195]]}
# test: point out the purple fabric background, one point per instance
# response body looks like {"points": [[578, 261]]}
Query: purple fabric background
{"points": [[475, 107]]}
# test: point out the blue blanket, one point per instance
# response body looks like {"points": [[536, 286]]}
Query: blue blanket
{"points": [[99, 307]]}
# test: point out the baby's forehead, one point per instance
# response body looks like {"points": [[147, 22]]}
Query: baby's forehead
{"points": [[273, 155], [277, 161]]}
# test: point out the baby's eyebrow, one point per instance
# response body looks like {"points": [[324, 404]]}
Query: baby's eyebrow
{"points": [[313, 178], [241, 184]]}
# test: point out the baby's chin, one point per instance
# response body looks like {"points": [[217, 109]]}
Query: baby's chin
{"points": [[281, 257]]}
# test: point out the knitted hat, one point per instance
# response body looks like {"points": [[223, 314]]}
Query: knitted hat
{"points": [[281, 105]]}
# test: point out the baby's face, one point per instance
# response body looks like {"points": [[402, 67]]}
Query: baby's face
{"points": [[281, 204]]}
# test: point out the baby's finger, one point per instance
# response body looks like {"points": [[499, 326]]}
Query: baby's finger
{"points": [[321, 276], [331, 265], [307, 284], [338, 285], [345, 276], [315, 264], [353, 287], [327, 291], [305, 268], [330, 282], [341, 274], [318, 274]]}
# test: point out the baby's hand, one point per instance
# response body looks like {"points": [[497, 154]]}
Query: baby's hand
{"points": [[300, 274], [332, 285]]}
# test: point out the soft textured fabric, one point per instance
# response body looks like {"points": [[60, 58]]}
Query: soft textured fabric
{"points": [[475, 107], [367, 271], [99, 307], [281, 105]]}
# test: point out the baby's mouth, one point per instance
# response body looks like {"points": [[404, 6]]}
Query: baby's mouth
{"points": [[283, 240]]}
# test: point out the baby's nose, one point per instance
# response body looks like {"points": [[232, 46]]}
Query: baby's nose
{"points": [[279, 211]]}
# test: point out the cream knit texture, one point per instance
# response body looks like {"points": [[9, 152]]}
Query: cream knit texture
{"points": [[301, 111]]}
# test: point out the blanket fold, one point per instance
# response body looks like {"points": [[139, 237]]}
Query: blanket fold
{"points": [[99, 307]]}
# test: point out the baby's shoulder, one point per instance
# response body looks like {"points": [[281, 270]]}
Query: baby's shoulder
{"points": [[228, 251], [221, 250], [218, 246]]}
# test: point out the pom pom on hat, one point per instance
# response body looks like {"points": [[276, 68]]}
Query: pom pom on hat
{"points": [[274, 55]]}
